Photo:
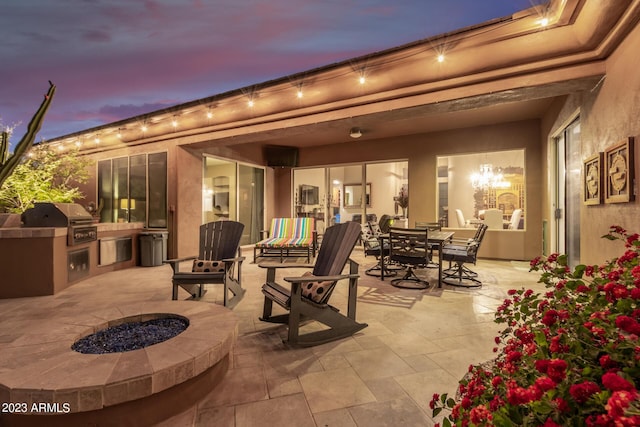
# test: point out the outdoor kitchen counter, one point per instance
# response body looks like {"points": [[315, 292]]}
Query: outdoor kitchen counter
{"points": [[29, 232], [36, 261]]}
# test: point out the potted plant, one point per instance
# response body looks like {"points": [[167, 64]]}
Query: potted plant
{"points": [[566, 357], [402, 200]]}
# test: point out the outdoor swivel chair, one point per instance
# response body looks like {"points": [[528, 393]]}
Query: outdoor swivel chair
{"points": [[409, 248], [461, 253]]}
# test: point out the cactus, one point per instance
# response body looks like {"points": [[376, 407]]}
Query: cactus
{"points": [[9, 162]]}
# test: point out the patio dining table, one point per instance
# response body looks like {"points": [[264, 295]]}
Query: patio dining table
{"points": [[437, 237]]}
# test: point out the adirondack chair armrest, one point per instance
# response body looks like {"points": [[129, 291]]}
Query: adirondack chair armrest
{"points": [[236, 259], [305, 279], [175, 263], [274, 265]]}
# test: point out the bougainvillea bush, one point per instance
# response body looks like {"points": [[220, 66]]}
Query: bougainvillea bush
{"points": [[568, 357]]}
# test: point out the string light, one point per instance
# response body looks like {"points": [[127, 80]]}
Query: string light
{"points": [[299, 93], [209, 114], [543, 22], [441, 57], [250, 103]]}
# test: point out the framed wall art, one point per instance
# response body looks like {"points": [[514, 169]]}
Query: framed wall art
{"points": [[618, 172], [593, 180]]}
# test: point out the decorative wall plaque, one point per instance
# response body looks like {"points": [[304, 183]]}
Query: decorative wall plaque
{"points": [[618, 172], [593, 180]]}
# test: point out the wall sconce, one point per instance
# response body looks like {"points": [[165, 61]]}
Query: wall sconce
{"points": [[355, 133]]}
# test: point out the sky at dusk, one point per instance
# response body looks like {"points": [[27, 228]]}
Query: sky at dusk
{"points": [[113, 59]]}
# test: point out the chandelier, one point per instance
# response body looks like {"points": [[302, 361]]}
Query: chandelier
{"points": [[486, 178]]}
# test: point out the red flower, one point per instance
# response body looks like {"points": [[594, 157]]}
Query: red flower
{"points": [[582, 289], [619, 402], [561, 404], [550, 423], [496, 381], [434, 400], [615, 382], [628, 324], [607, 363], [542, 365], [514, 356], [583, 391], [545, 384], [480, 414], [557, 369]]}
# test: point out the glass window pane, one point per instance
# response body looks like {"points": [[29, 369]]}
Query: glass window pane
{"points": [[251, 202], [105, 191], [309, 195], [138, 188], [486, 187], [121, 188], [157, 197]]}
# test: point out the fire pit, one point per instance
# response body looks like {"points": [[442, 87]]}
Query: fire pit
{"points": [[155, 382], [132, 334]]}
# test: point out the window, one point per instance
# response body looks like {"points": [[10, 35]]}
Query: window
{"points": [[134, 189], [486, 187]]}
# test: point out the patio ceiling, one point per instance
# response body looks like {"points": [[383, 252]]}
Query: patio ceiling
{"points": [[486, 109]]}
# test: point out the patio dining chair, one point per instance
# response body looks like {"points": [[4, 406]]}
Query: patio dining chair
{"points": [[460, 252], [408, 247]]}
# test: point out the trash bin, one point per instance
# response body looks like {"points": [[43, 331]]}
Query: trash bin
{"points": [[153, 248]]}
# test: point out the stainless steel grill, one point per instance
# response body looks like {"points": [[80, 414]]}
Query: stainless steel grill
{"points": [[70, 215]]}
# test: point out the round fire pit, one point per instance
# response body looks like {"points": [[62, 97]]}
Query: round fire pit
{"points": [[132, 333]]}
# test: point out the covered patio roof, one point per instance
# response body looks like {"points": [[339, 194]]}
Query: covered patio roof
{"points": [[505, 70]]}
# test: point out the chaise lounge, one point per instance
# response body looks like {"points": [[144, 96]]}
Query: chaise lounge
{"points": [[288, 237]]}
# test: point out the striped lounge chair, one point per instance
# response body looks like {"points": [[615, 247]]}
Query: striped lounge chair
{"points": [[288, 237]]}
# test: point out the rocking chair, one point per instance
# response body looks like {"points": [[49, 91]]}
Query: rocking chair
{"points": [[308, 295], [219, 262]]}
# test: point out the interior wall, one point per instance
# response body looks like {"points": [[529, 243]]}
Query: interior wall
{"points": [[609, 114]]}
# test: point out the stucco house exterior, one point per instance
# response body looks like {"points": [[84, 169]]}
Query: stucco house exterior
{"points": [[557, 84]]}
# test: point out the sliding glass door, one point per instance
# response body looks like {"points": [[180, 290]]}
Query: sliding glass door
{"points": [[235, 191], [360, 192]]}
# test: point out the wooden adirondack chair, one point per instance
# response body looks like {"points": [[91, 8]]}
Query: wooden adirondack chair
{"points": [[308, 295], [218, 262]]}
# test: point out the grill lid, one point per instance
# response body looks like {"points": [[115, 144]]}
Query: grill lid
{"points": [[46, 214]]}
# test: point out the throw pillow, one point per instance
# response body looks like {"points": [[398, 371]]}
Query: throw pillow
{"points": [[315, 291], [205, 266]]}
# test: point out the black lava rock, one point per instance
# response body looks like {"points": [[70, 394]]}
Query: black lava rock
{"points": [[130, 336]]}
